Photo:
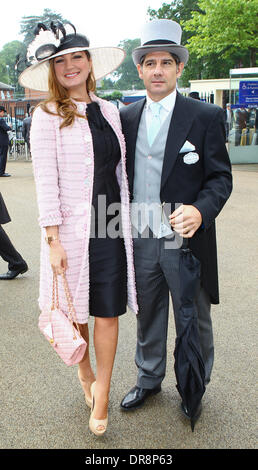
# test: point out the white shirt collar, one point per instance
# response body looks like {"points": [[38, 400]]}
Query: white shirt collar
{"points": [[168, 102]]}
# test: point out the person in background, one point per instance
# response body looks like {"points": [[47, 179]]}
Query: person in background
{"points": [[195, 95], [228, 119], [26, 127], [4, 142], [240, 124], [16, 264]]}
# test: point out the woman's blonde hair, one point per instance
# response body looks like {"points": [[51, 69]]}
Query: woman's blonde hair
{"points": [[59, 95]]}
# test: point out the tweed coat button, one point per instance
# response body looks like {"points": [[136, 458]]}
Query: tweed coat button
{"points": [[88, 161], [80, 107]]}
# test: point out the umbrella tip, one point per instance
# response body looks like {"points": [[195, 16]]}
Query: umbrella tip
{"points": [[192, 424]]}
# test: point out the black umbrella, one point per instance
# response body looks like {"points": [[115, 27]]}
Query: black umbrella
{"points": [[189, 366]]}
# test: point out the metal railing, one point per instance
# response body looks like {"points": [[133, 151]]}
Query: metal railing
{"points": [[18, 150]]}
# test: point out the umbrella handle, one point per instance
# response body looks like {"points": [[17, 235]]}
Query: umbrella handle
{"points": [[185, 243]]}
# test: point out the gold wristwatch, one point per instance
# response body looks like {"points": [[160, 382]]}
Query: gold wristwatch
{"points": [[51, 238]]}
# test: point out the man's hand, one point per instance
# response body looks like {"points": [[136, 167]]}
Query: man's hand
{"points": [[185, 220]]}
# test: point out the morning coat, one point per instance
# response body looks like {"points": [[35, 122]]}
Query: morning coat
{"points": [[4, 128], [205, 183], [4, 215]]}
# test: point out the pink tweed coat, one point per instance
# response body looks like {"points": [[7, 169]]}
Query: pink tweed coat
{"points": [[63, 164]]}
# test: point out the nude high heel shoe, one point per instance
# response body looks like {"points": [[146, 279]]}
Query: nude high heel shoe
{"points": [[88, 400], [94, 424]]}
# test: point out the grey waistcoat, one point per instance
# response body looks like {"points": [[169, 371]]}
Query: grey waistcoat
{"points": [[147, 179]]}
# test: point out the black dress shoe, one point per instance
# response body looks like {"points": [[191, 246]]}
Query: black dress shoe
{"points": [[12, 274], [195, 417], [137, 396], [5, 174]]}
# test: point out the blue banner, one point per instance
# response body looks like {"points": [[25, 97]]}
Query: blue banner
{"points": [[248, 93]]}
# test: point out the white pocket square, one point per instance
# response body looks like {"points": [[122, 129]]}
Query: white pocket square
{"points": [[187, 147], [191, 158]]}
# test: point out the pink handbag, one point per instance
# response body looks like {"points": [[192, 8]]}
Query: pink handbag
{"points": [[62, 331]]}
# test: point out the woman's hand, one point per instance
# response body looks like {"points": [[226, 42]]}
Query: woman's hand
{"points": [[58, 258]]}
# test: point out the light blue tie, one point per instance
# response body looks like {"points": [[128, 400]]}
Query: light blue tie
{"points": [[155, 122]]}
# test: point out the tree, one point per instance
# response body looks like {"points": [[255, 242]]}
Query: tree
{"points": [[8, 55], [115, 95], [178, 10], [28, 23], [226, 28], [127, 73], [107, 84]]}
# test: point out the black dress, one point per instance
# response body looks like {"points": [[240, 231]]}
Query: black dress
{"points": [[107, 257]]}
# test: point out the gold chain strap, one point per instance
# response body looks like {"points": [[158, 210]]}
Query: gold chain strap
{"points": [[55, 301], [55, 298]]}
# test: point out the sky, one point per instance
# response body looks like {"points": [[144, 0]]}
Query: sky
{"points": [[104, 22]]}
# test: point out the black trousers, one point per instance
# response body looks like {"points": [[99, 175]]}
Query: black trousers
{"points": [[9, 253], [3, 158]]}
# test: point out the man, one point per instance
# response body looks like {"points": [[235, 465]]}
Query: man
{"points": [[4, 142], [16, 264], [228, 118], [186, 167], [26, 127], [194, 94], [240, 124]]}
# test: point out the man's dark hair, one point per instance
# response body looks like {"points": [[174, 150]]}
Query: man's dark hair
{"points": [[175, 57]]}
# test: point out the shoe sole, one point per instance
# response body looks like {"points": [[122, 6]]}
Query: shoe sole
{"points": [[22, 272], [132, 408]]}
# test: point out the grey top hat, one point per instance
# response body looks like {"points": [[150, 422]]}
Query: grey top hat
{"points": [[161, 35]]}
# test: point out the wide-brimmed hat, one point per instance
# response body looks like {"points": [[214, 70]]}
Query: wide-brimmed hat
{"points": [[161, 35], [2, 108], [47, 45]]}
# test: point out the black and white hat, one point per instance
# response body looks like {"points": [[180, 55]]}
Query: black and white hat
{"points": [[47, 45], [161, 35]]}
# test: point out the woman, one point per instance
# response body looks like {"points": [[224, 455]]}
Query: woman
{"points": [[78, 154]]}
